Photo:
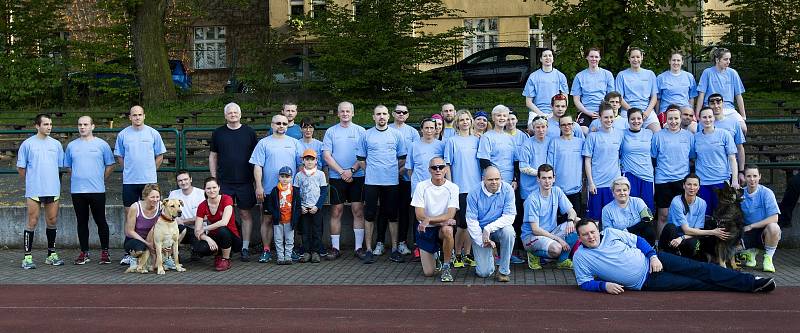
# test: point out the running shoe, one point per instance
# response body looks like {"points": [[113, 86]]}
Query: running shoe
{"points": [[378, 251], [169, 263], [416, 258], [223, 265], [763, 284], [566, 264], [105, 258], [447, 276], [333, 254], [470, 260], [83, 258], [315, 257], [396, 256], [516, 260], [54, 260], [458, 262], [245, 255], [126, 260], [533, 261], [768, 266], [403, 248], [503, 277], [361, 253], [748, 257], [133, 263], [438, 258], [266, 256], [295, 256], [27, 262], [306, 257], [369, 258]]}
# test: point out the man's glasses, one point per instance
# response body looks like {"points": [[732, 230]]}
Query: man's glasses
{"points": [[279, 123], [438, 167]]}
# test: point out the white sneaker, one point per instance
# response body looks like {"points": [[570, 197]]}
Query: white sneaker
{"points": [[126, 260], [132, 262], [378, 249], [403, 248]]}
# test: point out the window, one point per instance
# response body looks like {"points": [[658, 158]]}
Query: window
{"points": [[536, 34], [296, 8], [209, 47], [317, 6], [483, 35]]}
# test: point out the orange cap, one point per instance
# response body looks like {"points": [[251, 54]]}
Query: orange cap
{"points": [[310, 152]]}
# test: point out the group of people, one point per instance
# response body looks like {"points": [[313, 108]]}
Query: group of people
{"points": [[477, 187]]}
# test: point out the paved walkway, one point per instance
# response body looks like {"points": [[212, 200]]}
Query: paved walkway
{"points": [[347, 270]]}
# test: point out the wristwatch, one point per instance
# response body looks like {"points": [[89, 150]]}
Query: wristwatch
{"points": [[352, 170]]}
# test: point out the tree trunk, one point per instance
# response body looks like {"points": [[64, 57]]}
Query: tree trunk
{"points": [[149, 47]]}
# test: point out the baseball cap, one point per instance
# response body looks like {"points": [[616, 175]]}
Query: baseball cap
{"points": [[285, 171], [309, 152], [481, 114]]}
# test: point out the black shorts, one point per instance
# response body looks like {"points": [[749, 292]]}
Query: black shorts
{"points": [[387, 195], [754, 239], [665, 192], [131, 193], [46, 199], [583, 119], [342, 191], [134, 245], [461, 213], [244, 195], [265, 205]]}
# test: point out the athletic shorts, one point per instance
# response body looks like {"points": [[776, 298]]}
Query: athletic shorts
{"points": [[539, 245], [461, 213], [46, 200], [244, 195], [386, 195], [131, 193], [665, 192], [754, 239], [265, 205], [342, 191], [428, 241]]}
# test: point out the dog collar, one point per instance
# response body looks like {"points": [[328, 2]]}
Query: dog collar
{"points": [[167, 218]]}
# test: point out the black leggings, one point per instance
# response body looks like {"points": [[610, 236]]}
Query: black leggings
{"points": [[312, 231], [83, 203], [223, 237]]}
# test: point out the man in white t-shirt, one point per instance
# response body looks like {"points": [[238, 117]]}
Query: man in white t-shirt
{"points": [[435, 203], [191, 197]]}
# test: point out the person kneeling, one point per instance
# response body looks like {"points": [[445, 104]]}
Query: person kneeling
{"points": [[220, 236], [490, 217], [615, 260]]}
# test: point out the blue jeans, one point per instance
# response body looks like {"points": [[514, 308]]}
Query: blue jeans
{"points": [[680, 273], [504, 240]]}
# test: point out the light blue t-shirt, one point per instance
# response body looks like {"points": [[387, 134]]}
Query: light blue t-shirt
{"points": [[712, 151], [418, 159], [486, 209], [138, 149], [635, 153], [272, 154], [671, 151], [616, 259], [565, 157], [448, 132], [411, 135], [620, 123], [498, 148], [542, 86], [544, 210], [592, 87], [519, 138], [675, 89], [88, 160], [341, 142], [694, 218], [533, 154], [603, 147], [554, 130], [382, 150], [759, 205], [460, 152], [726, 83], [316, 145], [732, 126], [41, 159], [620, 218], [293, 131], [636, 87]]}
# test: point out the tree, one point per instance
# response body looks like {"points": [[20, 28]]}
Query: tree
{"points": [[656, 26], [31, 48], [373, 47], [764, 39]]}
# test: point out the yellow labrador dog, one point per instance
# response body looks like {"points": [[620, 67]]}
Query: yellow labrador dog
{"points": [[165, 236]]}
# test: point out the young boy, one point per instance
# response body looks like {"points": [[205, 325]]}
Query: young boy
{"points": [[284, 206], [613, 98], [312, 191]]}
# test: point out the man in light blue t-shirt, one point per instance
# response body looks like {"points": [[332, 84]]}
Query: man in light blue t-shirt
{"points": [[449, 116], [139, 151], [382, 151], [270, 155], [490, 218], [411, 135], [761, 229], [90, 162], [38, 160]]}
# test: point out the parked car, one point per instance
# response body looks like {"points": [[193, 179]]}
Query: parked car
{"points": [[101, 81], [495, 67], [290, 72]]}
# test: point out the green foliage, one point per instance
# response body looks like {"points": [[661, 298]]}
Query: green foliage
{"points": [[265, 54], [656, 26], [376, 51], [31, 49], [764, 40]]}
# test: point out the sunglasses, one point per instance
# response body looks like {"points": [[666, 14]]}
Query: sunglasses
{"points": [[400, 112], [539, 117], [438, 167], [280, 123]]}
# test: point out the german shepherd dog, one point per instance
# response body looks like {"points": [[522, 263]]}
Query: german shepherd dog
{"points": [[728, 216]]}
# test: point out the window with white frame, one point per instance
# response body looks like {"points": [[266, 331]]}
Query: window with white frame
{"points": [[318, 6], [297, 8], [536, 35], [482, 34], [209, 47]]}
